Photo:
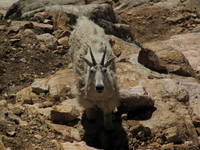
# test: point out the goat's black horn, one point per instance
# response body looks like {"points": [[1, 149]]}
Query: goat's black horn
{"points": [[92, 56], [103, 58]]}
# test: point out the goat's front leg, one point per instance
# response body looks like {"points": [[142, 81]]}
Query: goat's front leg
{"points": [[90, 113], [108, 124]]}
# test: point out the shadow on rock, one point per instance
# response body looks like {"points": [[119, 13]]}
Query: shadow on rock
{"points": [[96, 136], [141, 114]]}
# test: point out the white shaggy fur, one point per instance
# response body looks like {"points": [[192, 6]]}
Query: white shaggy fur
{"points": [[87, 35]]}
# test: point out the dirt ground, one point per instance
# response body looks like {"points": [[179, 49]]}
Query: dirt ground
{"points": [[150, 23], [20, 60]]}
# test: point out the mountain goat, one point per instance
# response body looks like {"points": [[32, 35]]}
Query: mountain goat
{"points": [[94, 67]]}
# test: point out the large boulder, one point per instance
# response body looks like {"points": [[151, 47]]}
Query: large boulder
{"points": [[187, 44], [165, 59], [62, 80], [4, 5], [22, 6]]}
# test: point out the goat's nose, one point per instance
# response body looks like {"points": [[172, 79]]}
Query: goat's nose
{"points": [[99, 88]]}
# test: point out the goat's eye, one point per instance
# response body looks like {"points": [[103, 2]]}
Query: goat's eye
{"points": [[92, 69], [104, 69]]}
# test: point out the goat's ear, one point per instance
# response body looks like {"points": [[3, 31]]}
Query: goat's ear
{"points": [[87, 61], [109, 61]]}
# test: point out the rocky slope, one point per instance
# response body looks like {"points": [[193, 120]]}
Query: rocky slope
{"points": [[157, 47]]}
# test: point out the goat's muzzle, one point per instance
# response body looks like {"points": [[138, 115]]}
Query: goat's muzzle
{"points": [[99, 88]]}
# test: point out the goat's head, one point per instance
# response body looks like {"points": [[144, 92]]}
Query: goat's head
{"points": [[99, 76]]}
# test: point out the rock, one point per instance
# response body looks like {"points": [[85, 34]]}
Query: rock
{"points": [[26, 96], [66, 112], [175, 125], [2, 147], [192, 4], [13, 41], [198, 132], [67, 132], [62, 22], [16, 26], [130, 73], [161, 118], [37, 136], [64, 16], [135, 98], [193, 87], [49, 40], [17, 109], [172, 135], [93, 11], [34, 110], [123, 49], [61, 81], [47, 28], [11, 130], [39, 86], [138, 130], [14, 118], [2, 28], [196, 121], [120, 30], [3, 103], [59, 84], [185, 43], [27, 32], [128, 4], [4, 5], [90, 10], [64, 41], [76, 146], [169, 146], [185, 147], [165, 59], [166, 89], [21, 7]]}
